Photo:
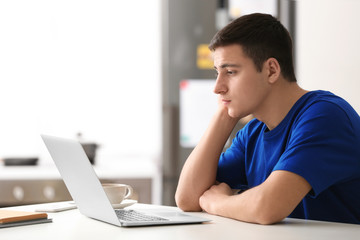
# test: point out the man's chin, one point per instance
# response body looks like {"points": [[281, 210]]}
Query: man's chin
{"points": [[232, 113], [235, 114]]}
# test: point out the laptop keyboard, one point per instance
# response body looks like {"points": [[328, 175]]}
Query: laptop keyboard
{"points": [[134, 216]]}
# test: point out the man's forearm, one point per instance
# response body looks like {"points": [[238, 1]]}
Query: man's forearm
{"points": [[199, 171], [267, 203]]}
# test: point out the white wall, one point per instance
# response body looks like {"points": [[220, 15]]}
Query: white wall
{"points": [[328, 47], [80, 65]]}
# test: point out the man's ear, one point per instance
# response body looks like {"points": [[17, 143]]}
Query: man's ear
{"points": [[273, 69]]}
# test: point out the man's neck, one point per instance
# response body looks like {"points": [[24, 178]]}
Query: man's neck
{"points": [[279, 103]]}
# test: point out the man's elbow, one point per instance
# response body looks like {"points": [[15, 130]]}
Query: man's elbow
{"points": [[268, 219], [187, 204], [267, 215]]}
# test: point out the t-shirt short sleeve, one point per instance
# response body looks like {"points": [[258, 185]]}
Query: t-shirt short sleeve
{"points": [[320, 149]]}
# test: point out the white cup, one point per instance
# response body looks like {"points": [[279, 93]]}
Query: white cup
{"points": [[117, 192]]}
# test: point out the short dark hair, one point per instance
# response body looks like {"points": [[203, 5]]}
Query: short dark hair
{"points": [[262, 37]]}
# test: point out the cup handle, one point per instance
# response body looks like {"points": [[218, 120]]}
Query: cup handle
{"points": [[130, 191]]}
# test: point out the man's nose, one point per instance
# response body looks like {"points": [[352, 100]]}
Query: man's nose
{"points": [[220, 86]]}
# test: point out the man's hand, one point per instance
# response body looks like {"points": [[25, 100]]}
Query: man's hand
{"points": [[216, 194]]}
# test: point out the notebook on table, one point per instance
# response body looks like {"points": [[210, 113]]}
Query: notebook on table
{"points": [[12, 218], [89, 196]]}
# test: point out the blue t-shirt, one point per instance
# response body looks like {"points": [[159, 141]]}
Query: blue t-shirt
{"points": [[319, 139]]}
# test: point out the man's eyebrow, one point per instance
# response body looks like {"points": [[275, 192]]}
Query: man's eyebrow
{"points": [[225, 65]]}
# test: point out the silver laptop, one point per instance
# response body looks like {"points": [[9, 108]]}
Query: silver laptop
{"points": [[89, 196]]}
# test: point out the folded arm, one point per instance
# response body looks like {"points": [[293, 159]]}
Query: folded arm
{"points": [[268, 203], [199, 171]]}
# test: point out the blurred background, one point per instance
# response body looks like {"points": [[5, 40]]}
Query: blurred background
{"points": [[132, 81]]}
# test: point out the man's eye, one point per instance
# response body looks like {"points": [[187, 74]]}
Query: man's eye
{"points": [[230, 72], [216, 74]]}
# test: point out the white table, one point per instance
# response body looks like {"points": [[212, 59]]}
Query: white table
{"points": [[71, 224]]}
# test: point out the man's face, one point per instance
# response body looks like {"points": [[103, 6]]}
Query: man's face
{"points": [[241, 88]]}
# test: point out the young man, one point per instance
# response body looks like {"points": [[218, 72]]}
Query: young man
{"points": [[299, 157]]}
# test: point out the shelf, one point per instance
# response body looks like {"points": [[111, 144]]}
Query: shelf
{"points": [[36, 184], [124, 169]]}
